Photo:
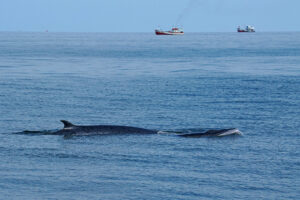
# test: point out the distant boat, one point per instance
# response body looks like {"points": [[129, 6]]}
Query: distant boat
{"points": [[247, 29], [174, 31]]}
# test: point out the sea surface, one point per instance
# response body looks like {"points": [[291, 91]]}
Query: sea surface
{"points": [[191, 82]]}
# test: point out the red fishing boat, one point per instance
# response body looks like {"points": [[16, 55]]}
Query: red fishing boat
{"points": [[174, 31]]}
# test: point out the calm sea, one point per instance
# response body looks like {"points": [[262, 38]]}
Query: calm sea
{"points": [[196, 81]]}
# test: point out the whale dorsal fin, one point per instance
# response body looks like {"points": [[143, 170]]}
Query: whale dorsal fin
{"points": [[67, 124]]}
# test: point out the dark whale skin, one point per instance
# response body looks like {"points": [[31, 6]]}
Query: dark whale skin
{"points": [[71, 129]]}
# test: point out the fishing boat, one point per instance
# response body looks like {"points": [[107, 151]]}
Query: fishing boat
{"points": [[247, 29], [174, 31]]}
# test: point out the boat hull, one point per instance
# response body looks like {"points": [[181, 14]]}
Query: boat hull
{"points": [[244, 31]]}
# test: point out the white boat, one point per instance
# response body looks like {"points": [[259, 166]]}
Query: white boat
{"points": [[247, 29]]}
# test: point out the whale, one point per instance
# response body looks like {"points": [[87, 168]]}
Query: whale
{"points": [[70, 129]]}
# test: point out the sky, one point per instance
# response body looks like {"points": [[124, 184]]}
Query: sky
{"points": [[147, 15]]}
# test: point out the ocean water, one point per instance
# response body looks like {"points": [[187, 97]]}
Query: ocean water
{"points": [[196, 81]]}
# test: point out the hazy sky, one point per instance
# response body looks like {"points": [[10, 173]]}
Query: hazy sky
{"points": [[146, 15]]}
